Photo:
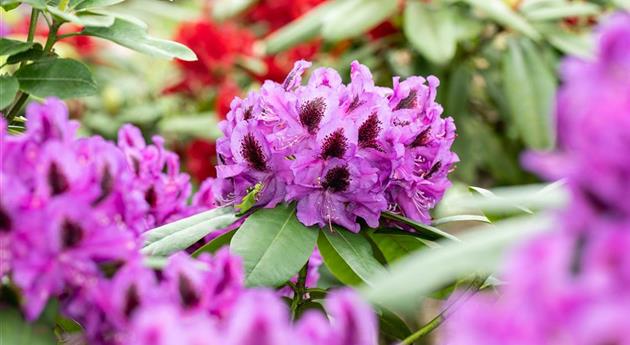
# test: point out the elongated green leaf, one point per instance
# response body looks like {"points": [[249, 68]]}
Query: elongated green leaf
{"points": [[354, 17], [501, 13], [479, 252], [89, 4], [562, 10], [39, 4], [570, 43], [425, 231], [354, 250], [36, 52], [300, 30], [530, 88], [134, 37], [274, 246], [392, 325], [216, 244], [10, 47], [521, 199], [203, 125], [229, 8], [335, 264], [8, 88], [63, 78], [183, 239], [461, 218], [163, 231], [86, 19], [14, 330], [396, 245], [432, 31]]}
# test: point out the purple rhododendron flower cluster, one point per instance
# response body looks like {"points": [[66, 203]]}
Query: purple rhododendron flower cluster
{"points": [[572, 286], [342, 152], [72, 211]]}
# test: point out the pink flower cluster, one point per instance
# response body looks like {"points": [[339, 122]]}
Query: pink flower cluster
{"points": [[572, 286], [72, 211]]}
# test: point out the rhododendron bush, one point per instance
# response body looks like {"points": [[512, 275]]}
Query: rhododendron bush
{"points": [[294, 175]]}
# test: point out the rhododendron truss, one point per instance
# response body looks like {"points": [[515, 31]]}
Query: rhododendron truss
{"points": [[572, 286], [343, 153], [72, 214]]}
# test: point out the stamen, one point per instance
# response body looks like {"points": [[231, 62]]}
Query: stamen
{"points": [[408, 102], [57, 180], [368, 132], [311, 114], [253, 153], [337, 179], [335, 144]]}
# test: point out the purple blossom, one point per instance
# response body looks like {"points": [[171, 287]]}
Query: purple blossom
{"points": [[342, 152]]}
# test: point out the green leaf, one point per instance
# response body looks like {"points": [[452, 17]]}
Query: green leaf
{"points": [[392, 325], [395, 246], [184, 238], [274, 246], [134, 36], [354, 17], [355, 254], [89, 4], [63, 78], [461, 218], [10, 47], [430, 30], [203, 125], [163, 231], [8, 4], [530, 87], [14, 330], [501, 13], [8, 89], [481, 251], [570, 43], [300, 30], [36, 52], [229, 8], [623, 3], [216, 244], [561, 10], [425, 231], [521, 199], [83, 18]]}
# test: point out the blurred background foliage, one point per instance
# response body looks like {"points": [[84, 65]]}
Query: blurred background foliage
{"points": [[497, 61]]}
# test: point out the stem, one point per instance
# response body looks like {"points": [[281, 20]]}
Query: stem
{"points": [[474, 286], [300, 290], [50, 41]]}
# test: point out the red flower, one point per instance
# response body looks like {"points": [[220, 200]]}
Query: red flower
{"points": [[217, 46], [201, 157], [384, 29], [278, 13], [226, 93]]}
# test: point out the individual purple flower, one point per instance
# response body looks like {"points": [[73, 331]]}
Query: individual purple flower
{"points": [[352, 320]]}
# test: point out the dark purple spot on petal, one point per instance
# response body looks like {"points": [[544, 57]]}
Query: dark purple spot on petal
{"points": [[151, 197], [337, 179], [132, 300], [335, 144], [408, 102], [107, 185], [368, 131], [252, 152], [311, 114], [5, 221], [248, 113], [136, 165], [356, 102], [187, 292], [421, 139], [435, 168], [57, 180], [71, 234]]}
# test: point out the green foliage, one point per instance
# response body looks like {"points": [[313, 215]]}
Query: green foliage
{"points": [[353, 17], [274, 246], [14, 330], [63, 78], [432, 31], [348, 256], [10, 47], [216, 244], [8, 88]]}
